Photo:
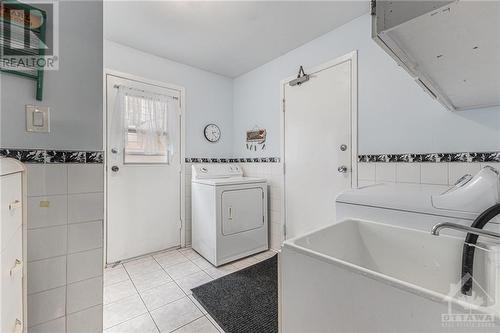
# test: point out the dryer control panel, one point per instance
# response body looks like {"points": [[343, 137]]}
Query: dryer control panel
{"points": [[214, 170]]}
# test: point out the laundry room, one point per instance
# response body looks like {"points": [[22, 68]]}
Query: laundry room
{"points": [[249, 166]]}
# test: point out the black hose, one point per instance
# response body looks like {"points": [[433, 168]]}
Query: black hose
{"points": [[469, 247]]}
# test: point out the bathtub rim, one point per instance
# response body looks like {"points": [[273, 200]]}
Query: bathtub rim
{"points": [[434, 296]]}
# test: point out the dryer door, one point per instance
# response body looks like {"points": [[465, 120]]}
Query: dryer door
{"points": [[242, 210]]}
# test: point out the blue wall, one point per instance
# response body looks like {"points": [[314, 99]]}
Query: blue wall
{"points": [[395, 114]]}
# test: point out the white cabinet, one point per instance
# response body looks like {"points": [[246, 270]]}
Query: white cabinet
{"points": [[12, 246], [450, 48]]}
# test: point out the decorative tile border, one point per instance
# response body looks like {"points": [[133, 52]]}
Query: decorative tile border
{"points": [[432, 157], [53, 156], [232, 160]]}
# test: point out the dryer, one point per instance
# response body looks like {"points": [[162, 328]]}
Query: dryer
{"points": [[229, 213]]}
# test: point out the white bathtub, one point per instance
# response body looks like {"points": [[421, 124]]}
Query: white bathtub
{"points": [[362, 276]]}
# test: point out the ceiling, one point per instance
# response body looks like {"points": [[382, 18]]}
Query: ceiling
{"points": [[225, 37]]}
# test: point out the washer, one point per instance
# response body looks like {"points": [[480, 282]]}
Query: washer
{"points": [[229, 213]]}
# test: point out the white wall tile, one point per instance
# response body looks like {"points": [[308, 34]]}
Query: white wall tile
{"points": [[385, 172], [46, 306], [83, 270], [87, 321], [274, 204], [85, 207], [457, 170], [46, 274], [39, 215], [188, 236], [274, 217], [47, 242], [408, 173], [54, 326], [366, 171], [275, 236], [84, 294], [85, 178], [47, 179], [85, 236], [434, 173], [84, 265]]}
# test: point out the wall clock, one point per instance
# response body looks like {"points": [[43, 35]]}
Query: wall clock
{"points": [[212, 132]]}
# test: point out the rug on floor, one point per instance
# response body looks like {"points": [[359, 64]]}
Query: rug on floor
{"points": [[245, 301]]}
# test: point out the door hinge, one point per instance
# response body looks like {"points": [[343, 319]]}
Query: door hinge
{"points": [[283, 105], [373, 7], [180, 224]]}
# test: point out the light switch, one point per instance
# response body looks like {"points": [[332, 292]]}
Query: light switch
{"points": [[37, 119]]}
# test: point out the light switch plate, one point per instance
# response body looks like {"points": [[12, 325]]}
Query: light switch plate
{"points": [[37, 119]]}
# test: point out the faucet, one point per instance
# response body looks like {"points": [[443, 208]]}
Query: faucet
{"points": [[473, 232]]}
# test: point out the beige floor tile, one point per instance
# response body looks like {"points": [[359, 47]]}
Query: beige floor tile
{"points": [[141, 267], [194, 280], [141, 324], [201, 325], [161, 295], [150, 280], [183, 269], [118, 291], [115, 275], [171, 259], [175, 315], [123, 310]]}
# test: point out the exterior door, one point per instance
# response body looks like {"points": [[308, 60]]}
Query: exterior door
{"points": [[317, 147], [143, 194]]}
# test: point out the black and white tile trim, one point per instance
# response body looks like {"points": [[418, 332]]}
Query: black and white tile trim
{"points": [[53, 156], [432, 157], [232, 160]]}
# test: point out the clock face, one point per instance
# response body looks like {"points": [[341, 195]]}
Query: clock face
{"points": [[212, 132]]}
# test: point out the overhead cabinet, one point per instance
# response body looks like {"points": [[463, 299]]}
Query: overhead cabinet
{"points": [[451, 48]]}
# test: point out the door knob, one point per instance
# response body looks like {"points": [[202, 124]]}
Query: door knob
{"points": [[114, 150], [342, 169], [343, 147], [114, 168]]}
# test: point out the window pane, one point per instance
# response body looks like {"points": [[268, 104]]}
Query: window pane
{"points": [[146, 136]]}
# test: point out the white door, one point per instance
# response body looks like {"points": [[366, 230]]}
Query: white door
{"points": [[143, 192], [317, 146]]}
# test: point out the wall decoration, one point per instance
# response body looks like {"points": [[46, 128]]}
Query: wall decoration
{"points": [[464, 157], [44, 156], [256, 139]]}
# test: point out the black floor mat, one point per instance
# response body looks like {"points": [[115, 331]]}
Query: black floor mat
{"points": [[245, 301]]}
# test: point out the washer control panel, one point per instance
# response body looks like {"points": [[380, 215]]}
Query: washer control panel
{"points": [[215, 170]]}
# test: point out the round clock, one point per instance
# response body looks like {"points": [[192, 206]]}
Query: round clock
{"points": [[212, 132]]}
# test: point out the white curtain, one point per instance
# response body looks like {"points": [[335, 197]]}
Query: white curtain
{"points": [[144, 123]]}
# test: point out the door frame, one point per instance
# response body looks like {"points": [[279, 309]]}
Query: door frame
{"points": [[182, 173], [353, 57]]}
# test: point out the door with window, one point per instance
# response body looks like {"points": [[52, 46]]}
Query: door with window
{"points": [[143, 175]]}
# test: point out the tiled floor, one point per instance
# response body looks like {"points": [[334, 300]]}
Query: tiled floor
{"points": [[152, 293]]}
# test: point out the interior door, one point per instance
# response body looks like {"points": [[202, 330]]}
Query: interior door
{"points": [[143, 196], [317, 147]]}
